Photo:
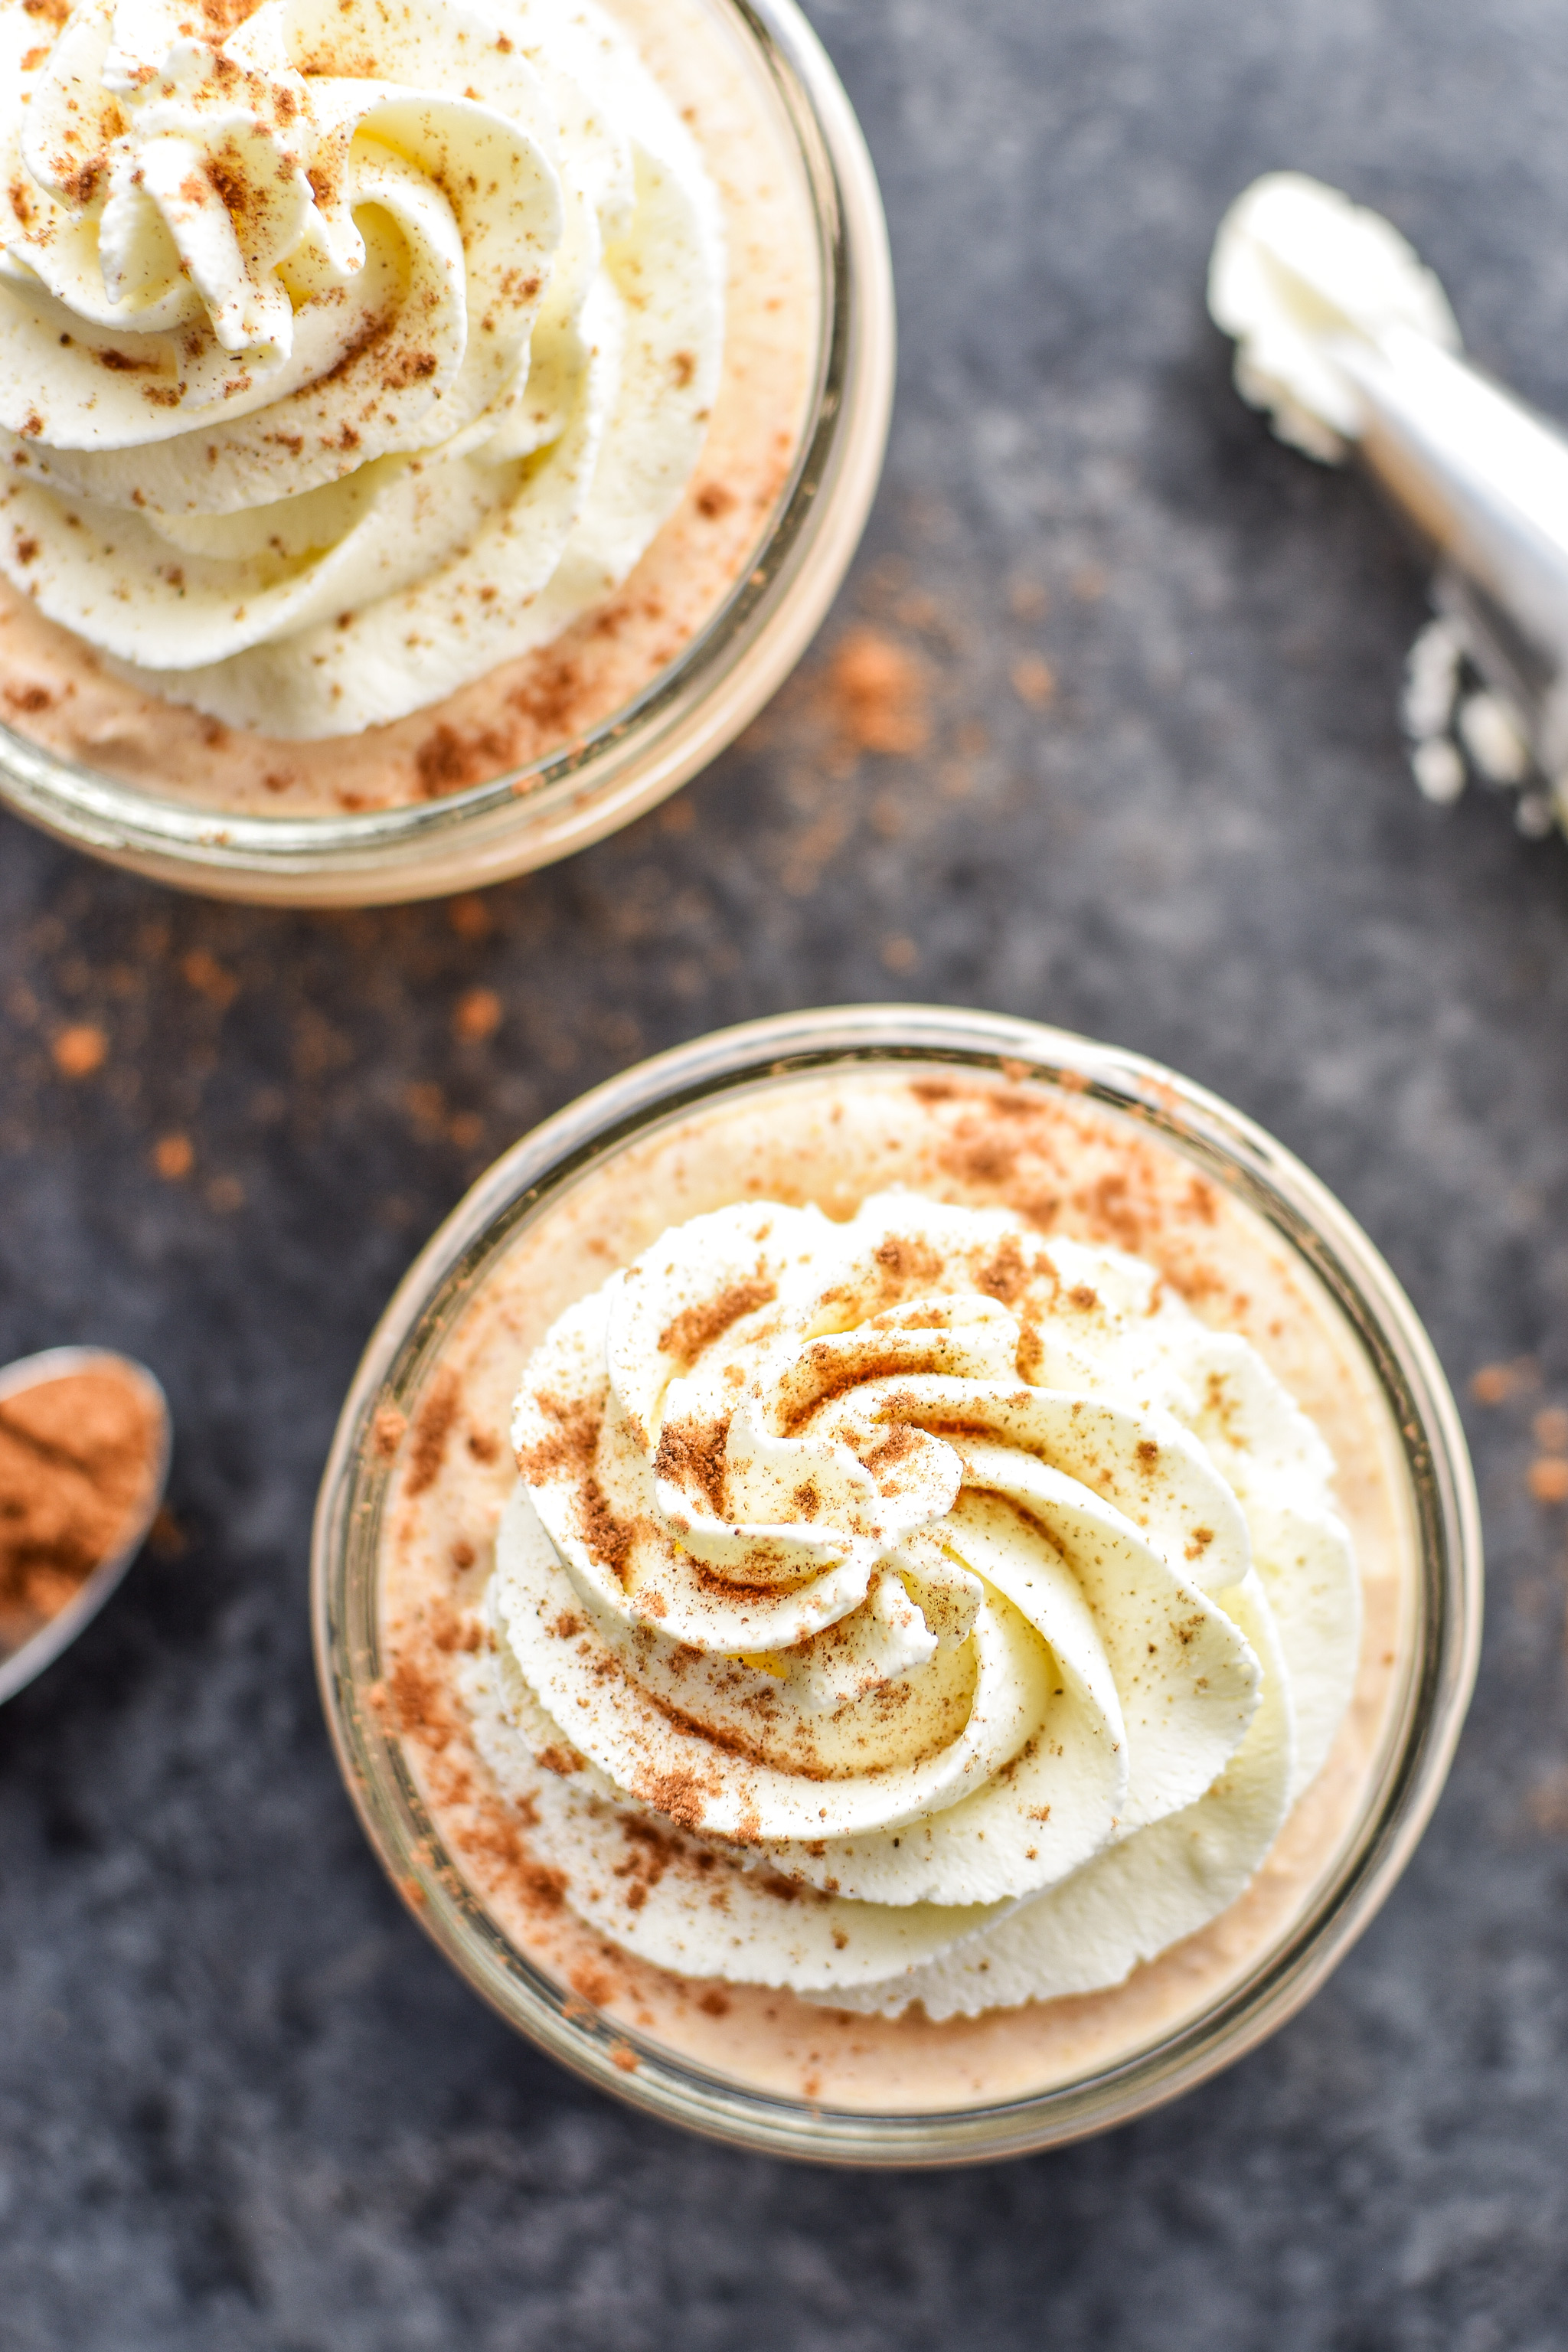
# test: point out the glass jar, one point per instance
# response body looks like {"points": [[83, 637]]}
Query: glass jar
{"points": [[1420, 1656], [686, 715]]}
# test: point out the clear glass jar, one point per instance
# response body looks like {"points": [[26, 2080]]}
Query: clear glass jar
{"points": [[685, 717], [1429, 1660]]}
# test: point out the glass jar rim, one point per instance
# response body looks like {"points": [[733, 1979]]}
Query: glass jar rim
{"points": [[529, 816], [1233, 1152]]}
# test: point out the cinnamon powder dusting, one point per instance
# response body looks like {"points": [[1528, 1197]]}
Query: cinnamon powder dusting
{"points": [[878, 693], [431, 1431], [572, 1444], [693, 1454], [677, 1794], [420, 1703], [697, 1326], [78, 1456], [607, 1537]]}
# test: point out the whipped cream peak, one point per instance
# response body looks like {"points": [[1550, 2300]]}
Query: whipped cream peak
{"points": [[213, 185], [350, 349], [923, 1565]]}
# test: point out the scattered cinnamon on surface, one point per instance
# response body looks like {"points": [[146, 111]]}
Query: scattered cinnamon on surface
{"points": [[476, 1015], [174, 1157], [1034, 681], [79, 1458], [879, 692], [1494, 1383], [469, 916], [79, 1049], [1548, 1478]]}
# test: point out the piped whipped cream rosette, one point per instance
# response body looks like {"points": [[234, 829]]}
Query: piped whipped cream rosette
{"points": [[908, 1608], [347, 349]]}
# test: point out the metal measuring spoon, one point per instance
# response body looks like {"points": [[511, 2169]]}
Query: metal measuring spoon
{"points": [[40, 1649]]}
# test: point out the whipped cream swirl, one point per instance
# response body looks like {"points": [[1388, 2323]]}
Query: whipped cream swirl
{"points": [[349, 347], [910, 1607]]}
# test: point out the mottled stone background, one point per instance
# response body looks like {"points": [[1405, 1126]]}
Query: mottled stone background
{"points": [[1162, 800]]}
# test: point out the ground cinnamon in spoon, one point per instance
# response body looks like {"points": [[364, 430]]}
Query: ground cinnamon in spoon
{"points": [[78, 1456]]}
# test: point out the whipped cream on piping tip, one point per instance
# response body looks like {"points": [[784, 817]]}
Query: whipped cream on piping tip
{"points": [[1347, 341], [953, 1613], [349, 350]]}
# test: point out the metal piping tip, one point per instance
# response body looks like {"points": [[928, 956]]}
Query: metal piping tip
{"points": [[1484, 482], [1348, 341]]}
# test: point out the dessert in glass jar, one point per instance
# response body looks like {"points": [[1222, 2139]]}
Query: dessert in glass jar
{"points": [[431, 432], [896, 1585]]}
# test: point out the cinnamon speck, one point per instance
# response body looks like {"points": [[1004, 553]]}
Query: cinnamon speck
{"points": [[387, 1432], [676, 1794], [698, 1327], [79, 1050], [1548, 1478], [1547, 1803], [469, 916], [431, 1430], [1494, 1383], [878, 693], [1034, 681], [203, 971], [1551, 1428], [476, 1015], [173, 1156]]}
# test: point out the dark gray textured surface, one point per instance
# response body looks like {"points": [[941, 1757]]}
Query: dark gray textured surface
{"points": [[241, 2102]]}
